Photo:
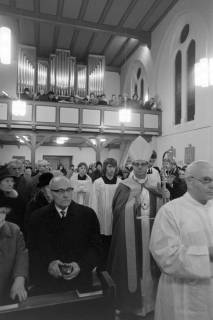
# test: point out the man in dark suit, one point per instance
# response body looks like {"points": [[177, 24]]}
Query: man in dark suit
{"points": [[64, 241]]}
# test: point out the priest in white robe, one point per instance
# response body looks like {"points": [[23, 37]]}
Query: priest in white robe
{"points": [[182, 245]]}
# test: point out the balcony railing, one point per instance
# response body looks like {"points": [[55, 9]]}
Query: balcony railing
{"points": [[79, 118]]}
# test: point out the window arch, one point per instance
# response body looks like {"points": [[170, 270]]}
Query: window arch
{"points": [[139, 83], [142, 89], [190, 81], [5, 45], [178, 86], [184, 84]]}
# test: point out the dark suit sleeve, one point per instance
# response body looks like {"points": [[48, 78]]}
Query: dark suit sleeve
{"points": [[93, 255], [21, 260], [36, 267]]}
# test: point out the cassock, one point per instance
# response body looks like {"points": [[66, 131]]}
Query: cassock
{"points": [[82, 188], [130, 263], [181, 235]]}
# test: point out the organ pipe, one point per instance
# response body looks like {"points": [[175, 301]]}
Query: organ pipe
{"points": [[61, 74], [96, 68], [42, 76], [26, 73]]}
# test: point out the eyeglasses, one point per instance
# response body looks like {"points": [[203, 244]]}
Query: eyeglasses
{"points": [[204, 180], [62, 191], [138, 164]]}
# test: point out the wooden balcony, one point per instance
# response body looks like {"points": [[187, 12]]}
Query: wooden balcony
{"points": [[79, 118]]}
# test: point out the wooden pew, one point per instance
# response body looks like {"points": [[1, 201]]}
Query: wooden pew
{"points": [[98, 305]]}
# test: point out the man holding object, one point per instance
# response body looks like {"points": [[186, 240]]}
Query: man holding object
{"points": [[64, 241]]}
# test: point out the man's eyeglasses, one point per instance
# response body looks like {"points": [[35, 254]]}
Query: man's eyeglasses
{"points": [[138, 164], [204, 180], [62, 191]]}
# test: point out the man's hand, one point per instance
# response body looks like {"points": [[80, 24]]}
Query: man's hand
{"points": [[54, 268], [74, 273], [165, 194], [18, 289], [163, 191]]}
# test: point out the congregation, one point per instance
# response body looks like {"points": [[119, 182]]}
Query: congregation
{"points": [[63, 225], [115, 101]]}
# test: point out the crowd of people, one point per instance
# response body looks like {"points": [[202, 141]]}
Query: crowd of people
{"points": [[116, 101], [148, 227]]}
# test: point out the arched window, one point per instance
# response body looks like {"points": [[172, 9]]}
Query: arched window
{"points": [[142, 90], [136, 89], [178, 87], [184, 82], [5, 45], [190, 81]]}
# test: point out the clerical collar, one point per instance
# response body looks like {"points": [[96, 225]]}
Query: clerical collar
{"points": [[59, 211], [141, 181], [82, 178], [108, 181]]}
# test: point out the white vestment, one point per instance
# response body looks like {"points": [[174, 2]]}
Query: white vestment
{"points": [[181, 235], [81, 189], [101, 202]]}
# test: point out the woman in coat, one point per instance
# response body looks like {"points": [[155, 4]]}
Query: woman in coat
{"points": [[13, 258]]}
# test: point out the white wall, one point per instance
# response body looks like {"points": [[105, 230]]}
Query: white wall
{"points": [[158, 65], [111, 84], [8, 151], [87, 155], [110, 153]]}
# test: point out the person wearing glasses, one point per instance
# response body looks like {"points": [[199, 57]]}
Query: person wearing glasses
{"points": [[129, 262], [182, 244], [64, 242]]}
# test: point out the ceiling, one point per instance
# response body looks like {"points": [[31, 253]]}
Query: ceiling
{"points": [[114, 28], [43, 138]]}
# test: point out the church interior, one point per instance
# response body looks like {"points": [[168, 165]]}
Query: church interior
{"points": [[80, 80]]}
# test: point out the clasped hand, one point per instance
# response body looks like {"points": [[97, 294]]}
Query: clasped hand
{"points": [[54, 270]]}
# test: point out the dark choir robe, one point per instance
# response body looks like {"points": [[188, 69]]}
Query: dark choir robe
{"points": [[75, 238]]}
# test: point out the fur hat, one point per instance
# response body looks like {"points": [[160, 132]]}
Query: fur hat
{"points": [[5, 173]]}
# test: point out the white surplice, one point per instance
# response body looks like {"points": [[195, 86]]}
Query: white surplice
{"points": [[81, 189], [181, 235], [101, 202]]}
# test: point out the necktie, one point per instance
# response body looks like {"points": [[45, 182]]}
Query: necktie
{"points": [[63, 214]]}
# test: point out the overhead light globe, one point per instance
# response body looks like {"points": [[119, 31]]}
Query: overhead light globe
{"points": [[125, 115], [19, 108]]}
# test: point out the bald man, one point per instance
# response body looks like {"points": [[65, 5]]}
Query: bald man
{"points": [[64, 241], [182, 245]]}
